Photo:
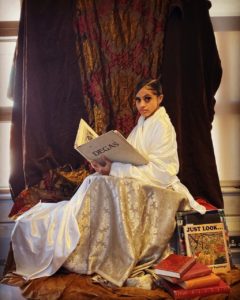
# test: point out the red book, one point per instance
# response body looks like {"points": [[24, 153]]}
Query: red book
{"points": [[197, 270], [174, 265], [205, 203], [179, 293]]}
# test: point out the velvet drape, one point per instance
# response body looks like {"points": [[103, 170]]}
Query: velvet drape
{"points": [[48, 97], [83, 58], [191, 76]]}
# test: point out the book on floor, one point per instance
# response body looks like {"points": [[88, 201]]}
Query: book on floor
{"points": [[198, 282], [111, 144], [178, 292], [197, 270], [207, 243], [174, 265]]}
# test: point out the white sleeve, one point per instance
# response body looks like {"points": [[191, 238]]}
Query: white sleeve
{"points": [[163, 163]]}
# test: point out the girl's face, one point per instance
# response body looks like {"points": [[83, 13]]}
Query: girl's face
{"points": [[147, 102]]}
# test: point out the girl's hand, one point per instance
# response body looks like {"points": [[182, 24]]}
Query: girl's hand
{"points": [[102, 165]]}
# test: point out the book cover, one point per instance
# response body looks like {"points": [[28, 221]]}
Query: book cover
{"points": [[207, 243], [174, 265], [178, 292], [111, 144], [192, 217], [197, 270], [203, 281]]}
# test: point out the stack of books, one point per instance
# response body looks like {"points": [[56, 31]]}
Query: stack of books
{"points": [[183, 277]]}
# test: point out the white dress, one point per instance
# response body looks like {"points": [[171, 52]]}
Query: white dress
{"points": [[112, 223]]}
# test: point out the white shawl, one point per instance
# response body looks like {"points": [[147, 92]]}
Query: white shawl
{"points": [[155, 138]]}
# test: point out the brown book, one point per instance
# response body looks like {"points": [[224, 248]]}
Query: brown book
{"points": [[174, 265], [178, 292], [197, 270]]}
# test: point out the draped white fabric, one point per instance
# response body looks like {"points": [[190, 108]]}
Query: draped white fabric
{"points": [[44, 236]]}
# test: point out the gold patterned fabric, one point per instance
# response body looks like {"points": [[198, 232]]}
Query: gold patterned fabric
{"points": [[122, 223]]}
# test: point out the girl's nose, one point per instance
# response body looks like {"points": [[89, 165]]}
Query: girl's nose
{"points": [[142, 103]]}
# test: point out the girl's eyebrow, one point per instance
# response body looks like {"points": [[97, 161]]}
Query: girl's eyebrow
{"points": [[147, 95]]}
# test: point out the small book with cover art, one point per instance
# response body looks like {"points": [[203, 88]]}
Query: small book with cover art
{"points": [[174, 265], [208, 244]]}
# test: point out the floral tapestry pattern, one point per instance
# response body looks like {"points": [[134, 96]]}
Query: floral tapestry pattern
{"points": [[118, 44]]}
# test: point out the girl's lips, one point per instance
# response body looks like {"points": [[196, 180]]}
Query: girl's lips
{"points": [[143, 111]]}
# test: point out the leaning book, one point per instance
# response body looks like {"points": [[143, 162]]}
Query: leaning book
{"points": [[111, 145], [207, 243]]}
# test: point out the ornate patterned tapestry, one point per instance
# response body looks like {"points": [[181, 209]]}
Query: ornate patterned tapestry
{"points": [[119, 43]]}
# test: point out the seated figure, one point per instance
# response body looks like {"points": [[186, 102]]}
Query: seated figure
{"points": [[121, 217]]}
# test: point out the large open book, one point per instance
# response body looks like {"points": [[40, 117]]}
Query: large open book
{"points": [[111, 144]]}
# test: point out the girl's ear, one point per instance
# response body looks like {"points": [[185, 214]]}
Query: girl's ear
{"points": [[160, 99]]}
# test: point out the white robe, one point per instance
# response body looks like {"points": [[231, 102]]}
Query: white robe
{"points": [[155, 138], [44, 237]]}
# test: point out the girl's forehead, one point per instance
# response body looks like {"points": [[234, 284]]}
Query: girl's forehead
{"points": [[145, 90]]}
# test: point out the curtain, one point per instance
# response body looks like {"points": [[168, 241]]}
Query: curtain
{"points": [[48, 97], [191, 76], [82, 59]]}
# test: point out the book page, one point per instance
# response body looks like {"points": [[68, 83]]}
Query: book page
{"points": [[112, 145], [84, 134], [207, 243]]}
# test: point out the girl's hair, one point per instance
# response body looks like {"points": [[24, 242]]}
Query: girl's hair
{"points": [[152, 84]]}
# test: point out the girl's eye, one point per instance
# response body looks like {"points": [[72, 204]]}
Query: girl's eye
{"points": [[137, 99], [147, 98]]}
